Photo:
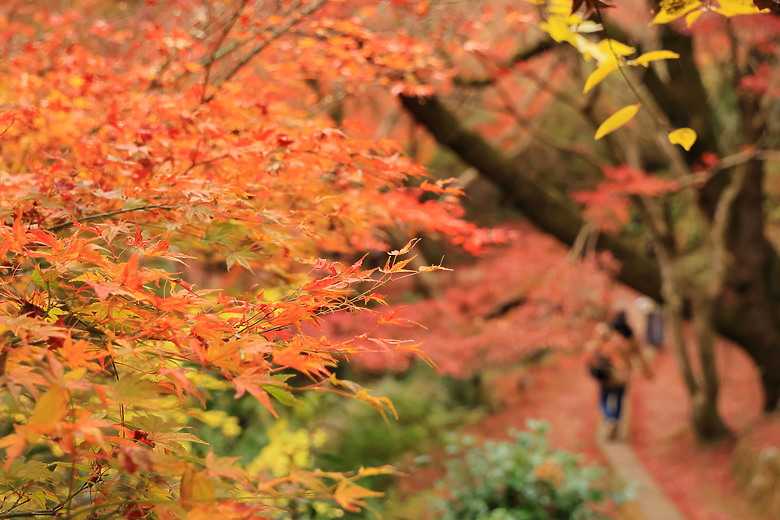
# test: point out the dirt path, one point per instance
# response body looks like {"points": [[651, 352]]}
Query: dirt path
{"points": [[676, 479], [650, 502], [561, 393]]}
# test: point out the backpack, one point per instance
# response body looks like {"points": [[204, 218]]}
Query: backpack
{"points": [[655, 329], [600, 368]]}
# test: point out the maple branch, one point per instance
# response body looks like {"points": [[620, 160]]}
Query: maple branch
{"points": [[46, 512], [719, 232], [99, 216], [546, 138], [521, 55], [8, 127], [257, 50], [220, 40]]}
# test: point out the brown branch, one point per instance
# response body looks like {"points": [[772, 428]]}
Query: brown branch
{"points": [[718, 233], [262, 46], [546, 138], [521, 55], [109, 214], [217, 44]]}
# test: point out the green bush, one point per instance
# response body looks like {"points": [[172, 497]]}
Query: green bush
{"points": [[522, 479], [427, 414]]}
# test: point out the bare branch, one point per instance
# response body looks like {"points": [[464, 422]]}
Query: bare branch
{"points": [[521, 55], [217, 44], [262, 46]]}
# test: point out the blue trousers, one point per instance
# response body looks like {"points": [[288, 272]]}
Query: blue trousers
{"points": [[611, 401]]}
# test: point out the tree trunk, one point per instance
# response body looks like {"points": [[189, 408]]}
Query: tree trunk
{"points": [[705, 418], [753, 285], [749, 314], [703, 390], [707, 424]]}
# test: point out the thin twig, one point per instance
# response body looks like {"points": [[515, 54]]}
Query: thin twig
{"points": [[217, 44], [109, 214], [257, 50], [46, 512]]}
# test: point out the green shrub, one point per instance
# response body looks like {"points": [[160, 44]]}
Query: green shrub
{"points": [[522, 479], [427, 414]]}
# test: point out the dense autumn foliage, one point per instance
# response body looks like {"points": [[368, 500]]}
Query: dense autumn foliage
{"points": [[136, 140]]}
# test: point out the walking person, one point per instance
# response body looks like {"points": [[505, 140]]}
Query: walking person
{"points": [[613, 355]]}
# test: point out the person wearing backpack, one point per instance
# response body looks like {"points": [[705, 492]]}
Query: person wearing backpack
{"points": [[612, 356]]}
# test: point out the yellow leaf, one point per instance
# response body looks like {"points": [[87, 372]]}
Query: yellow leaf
{"points": [[558, 29], [601, 72], [196, 486], [378, 470], [645, 59], [76, 81], [408, 247], [615, 47], [348, 495], [673, 9], [616, 120], [685, 137], [377, 403], [193, 67], [735, 7], [76, 374], [691, 18], [90, 276], [50, 407], [560, 7]]}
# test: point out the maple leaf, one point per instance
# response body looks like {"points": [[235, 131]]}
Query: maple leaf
{"points": [[348, 495], [196, 487]]}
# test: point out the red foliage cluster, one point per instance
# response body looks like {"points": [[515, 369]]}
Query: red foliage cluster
{"points": [[608, 204]]}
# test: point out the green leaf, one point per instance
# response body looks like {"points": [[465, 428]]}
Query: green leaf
{"points": [[282, 395], [37, 279], [616, 120], [42, 279], [241, 257]]}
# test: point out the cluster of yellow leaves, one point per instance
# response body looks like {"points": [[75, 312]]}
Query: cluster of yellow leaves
{"points": [[564, 26], [609, 55], [670, 10]]}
